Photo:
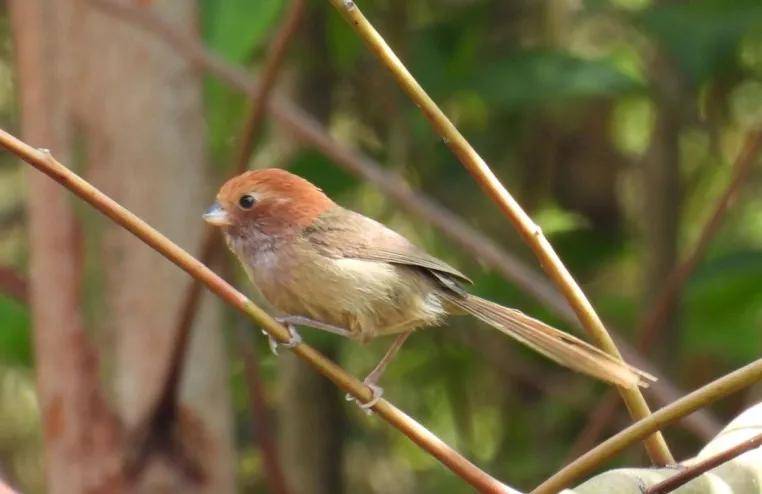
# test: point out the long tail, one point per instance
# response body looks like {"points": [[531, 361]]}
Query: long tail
{"points": [[561, 347]]}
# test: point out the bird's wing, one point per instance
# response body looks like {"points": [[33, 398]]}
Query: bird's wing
{"points": [[342, 233]]}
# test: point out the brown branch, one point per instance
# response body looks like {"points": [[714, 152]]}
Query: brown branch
{"points": [[704, 465], [165, 411], [531, 233], [709, 393], [276, 480], [311, 132], [266, 81], [44, 161], [665, 300], [13, 285], [603, 413]]}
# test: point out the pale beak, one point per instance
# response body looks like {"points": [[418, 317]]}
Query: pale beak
{"points": [[217, 216]]}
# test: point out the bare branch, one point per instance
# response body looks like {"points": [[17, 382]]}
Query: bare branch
{"points": [[675, 282], [44, 161], [276, 481], [714, 391], [704, 466], [269, 74]]}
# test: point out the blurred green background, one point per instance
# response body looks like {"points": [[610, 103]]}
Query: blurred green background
{"points": [[615, 123]]}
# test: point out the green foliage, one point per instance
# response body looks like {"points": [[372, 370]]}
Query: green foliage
{"points": [[316, 168], [232, 28], [723, 308], [15, 343], [549, 77], [702, 36]]}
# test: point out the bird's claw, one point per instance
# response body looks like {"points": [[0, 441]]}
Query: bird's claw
{"points": [[294, 339], [367, 407]]}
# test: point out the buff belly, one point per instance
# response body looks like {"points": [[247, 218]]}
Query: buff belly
{"points": [[367, 298]]}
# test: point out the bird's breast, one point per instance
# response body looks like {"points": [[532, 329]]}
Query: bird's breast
{"points": [[367, 298]]}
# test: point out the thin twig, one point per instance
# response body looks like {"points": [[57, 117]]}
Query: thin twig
{"points": [[531, 233], [44, 161], [308, 130], [604, 412], [704, 465], [648, 330], [714, 391], [276, 480], [272, 67]]}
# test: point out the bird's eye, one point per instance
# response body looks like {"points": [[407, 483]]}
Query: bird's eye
{"points": [[246, 201]]}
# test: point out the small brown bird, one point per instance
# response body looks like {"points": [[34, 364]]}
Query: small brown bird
{"points": [[327, 267]]}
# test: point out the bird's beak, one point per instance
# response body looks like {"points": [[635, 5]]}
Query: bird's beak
{"points": [[217, 216]]}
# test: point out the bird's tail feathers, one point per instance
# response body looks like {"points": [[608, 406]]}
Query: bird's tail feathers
{"points": [[561, 347]]}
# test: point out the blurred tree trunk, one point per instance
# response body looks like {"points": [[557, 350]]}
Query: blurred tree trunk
{"points": [[82, 438], [130, 110], [311, 409], [144, 135]]}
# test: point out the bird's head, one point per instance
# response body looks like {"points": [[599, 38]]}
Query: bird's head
{"points": [[270, 201]]}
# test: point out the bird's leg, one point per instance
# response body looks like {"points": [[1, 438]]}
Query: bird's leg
{"points": [[306, 321], [295, 338], [371, 381]]}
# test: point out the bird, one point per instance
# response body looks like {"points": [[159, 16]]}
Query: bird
{"points": [[324, 266]]}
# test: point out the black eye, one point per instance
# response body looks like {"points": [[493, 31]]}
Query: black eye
{"points": [[246, 202]]}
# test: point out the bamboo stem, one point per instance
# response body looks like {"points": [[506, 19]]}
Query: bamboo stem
{"points": [[714, 391], [603, 412], [43, 161], [532, 234]]}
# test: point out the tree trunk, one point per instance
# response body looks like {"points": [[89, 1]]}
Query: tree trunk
{"points": [[144, 136], [131, 109], [83, 442]]}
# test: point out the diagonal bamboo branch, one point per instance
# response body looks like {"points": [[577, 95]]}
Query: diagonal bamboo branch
{"points": [[531, 233], [308, 130], [44, 162], [704, 465], [605, 410], [714, 391]]}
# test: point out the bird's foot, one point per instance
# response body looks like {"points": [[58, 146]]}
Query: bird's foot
{"points": [[294, 339], [376, 391]]}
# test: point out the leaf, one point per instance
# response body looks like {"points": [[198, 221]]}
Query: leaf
{"points": [[541, 77], [703, 36]]}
